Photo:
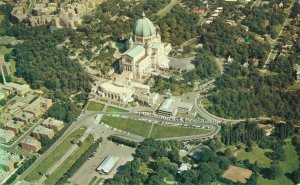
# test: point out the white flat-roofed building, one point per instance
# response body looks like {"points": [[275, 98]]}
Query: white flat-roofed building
{"points": [[108, 164], [6, 135], [119, 93], [173, 105], [168, 107], [148, 98]]}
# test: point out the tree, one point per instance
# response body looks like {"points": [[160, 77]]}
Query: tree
{"points": [[7, 57]]}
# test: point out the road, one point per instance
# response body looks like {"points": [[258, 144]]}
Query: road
{"points": [[210, 117], [85, 118], [275, 42], [169, 7], [64, 157]]}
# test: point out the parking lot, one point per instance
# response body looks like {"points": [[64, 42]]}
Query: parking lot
{"points": [[85, 174]]}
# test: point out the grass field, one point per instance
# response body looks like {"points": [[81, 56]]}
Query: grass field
{"points": [[1, 18], [54, 156], [115, 110], [287, 166], [4, 50], [140, 128], [54, 177], [161, 131], [295, 86], [258, 155], [94, 106], [93, 180]]}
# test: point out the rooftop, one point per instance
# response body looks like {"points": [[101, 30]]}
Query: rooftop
{"points": [[171, 104], [52, 121], [6, 158], [144, 27], [6, 134], [43, 130], [14, 124], [135, 51], [108, 164], [109, 87], [30, 141]]}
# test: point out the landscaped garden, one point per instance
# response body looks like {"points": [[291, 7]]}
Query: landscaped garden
{"points": [[94, 106], [115, 109]]}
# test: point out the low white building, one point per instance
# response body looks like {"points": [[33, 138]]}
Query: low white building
{"points": [[108, 164], [115, 92], [173, 105], [148, 98]]}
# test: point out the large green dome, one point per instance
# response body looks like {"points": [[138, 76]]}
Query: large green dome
{"points": [[144, 27]]}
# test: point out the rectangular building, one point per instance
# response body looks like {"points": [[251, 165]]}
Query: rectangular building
{"points": [[20, 89], [108, 164], [6, 135], [42, 132], [25, 117], [39, 106], [7, 161], [31, 144], [173, 105], [15, 126], [54, 124]]}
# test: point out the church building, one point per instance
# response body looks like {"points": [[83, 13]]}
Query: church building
{"points": [[146, 52]]}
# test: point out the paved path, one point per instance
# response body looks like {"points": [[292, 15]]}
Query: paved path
{"points": [[276, 40], [83, 120], [168, 8], [64, 157], [150, 131]]}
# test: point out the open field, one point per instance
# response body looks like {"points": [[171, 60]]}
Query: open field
{"points": [[237, 174], [115, 110], [53, 178], [258, 155], [161, 131], [56, 154], [287, 166], [295, 86], [1, 18], [4, 50], [94, 106], [137, 127]]}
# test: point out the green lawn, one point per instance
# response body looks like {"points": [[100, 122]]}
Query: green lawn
{"points": [[94, 106], [115, 110], [4, 50], [56, 154], [137, 127], [258, 155], [93, 180], [1, 18], [295, 86], [54, 177], [161, 131], [287, 166]]}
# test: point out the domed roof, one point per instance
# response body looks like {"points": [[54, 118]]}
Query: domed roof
{"points": [[144, 27]]}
